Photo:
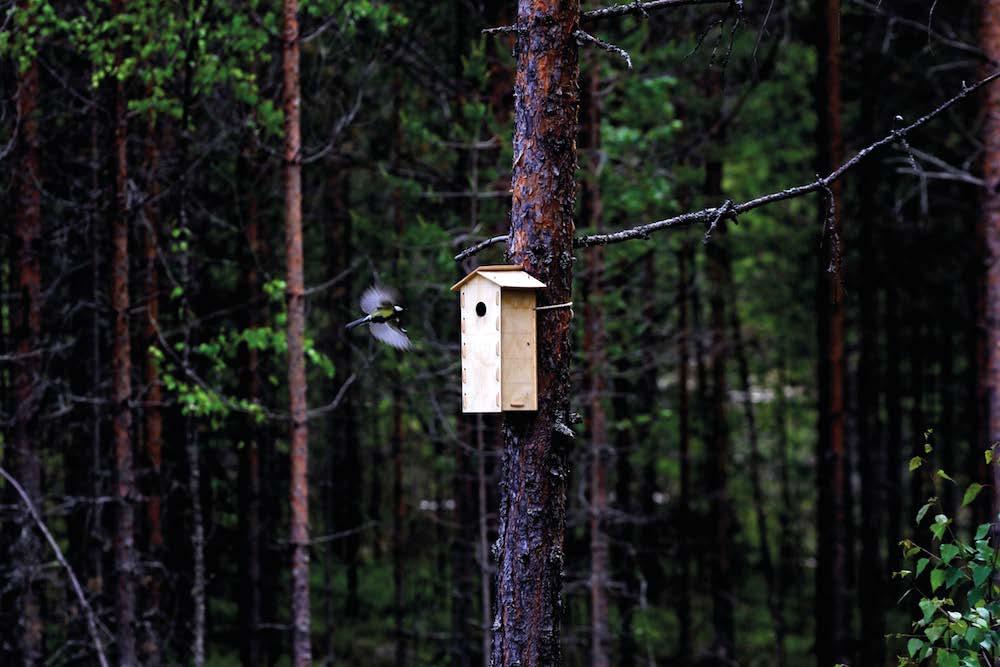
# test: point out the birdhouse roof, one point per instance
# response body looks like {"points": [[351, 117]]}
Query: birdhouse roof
{"points": [[503, 275]]}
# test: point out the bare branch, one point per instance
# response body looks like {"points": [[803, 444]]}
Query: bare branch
{"points": [[482, 245], [583, 38], [726, 211], [632, 8], [643, 8], [77, 589]]}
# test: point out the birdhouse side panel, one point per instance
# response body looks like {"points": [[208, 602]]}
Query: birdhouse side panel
{"points": [[519, 350], [481, 346]]}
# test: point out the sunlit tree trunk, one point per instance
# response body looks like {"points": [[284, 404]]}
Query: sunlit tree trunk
{"points": [[295, 285], [533, 489], [990, 40]]}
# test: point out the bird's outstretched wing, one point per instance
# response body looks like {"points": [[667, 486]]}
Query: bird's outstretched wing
{"points": [[377, 297], [390, 335]]}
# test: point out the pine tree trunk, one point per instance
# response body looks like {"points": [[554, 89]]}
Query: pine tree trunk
{"points": [[26, 329], [871, 598], [685, 259], [250, 519], [990, 41], [756, 487], [299, 437], [594, 344], [153, 416], [533, 488], [832, 554], [121, 362], [718, 466]]}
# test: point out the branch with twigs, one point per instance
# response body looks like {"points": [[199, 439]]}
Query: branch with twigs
{"points": [[74, 582], [729, 211]]}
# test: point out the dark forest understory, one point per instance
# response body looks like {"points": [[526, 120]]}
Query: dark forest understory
{"points": [[767, 357]]}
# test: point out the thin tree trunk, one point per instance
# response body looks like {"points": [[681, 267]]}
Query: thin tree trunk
{"points": [[27, 380], [250, 469], [299, 493], [594, 345], [990, 41], [685, 258], [832, 556], [483, 543], [757, 489], [871, 598], [723, 594], [125, 557], [533, 491], [153, 416]]}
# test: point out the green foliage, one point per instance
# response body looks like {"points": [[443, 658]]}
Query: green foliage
{"points": [[954, 584]]}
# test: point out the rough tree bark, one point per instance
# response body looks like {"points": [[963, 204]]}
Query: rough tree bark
{"points": [[831, 570], [295, 285], [121, 364], [990, 41], [594, 344], [26, 328], [533, 488]]}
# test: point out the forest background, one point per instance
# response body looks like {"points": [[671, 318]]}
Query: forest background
{"points": [[741, 474]]}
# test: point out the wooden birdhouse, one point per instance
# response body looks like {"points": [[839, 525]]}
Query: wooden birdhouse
{"points": [[499, 354]]}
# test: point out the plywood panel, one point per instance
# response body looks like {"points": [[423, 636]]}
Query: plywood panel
{"points": [[481, 346], [519, 371]]}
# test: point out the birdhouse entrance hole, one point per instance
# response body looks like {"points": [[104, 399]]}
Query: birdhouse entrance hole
{"points": [[481, 309]]}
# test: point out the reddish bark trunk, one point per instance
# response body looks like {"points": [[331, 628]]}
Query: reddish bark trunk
{"points": [[990, 40], [831, 571], [533, 491], [299, 481], [26, 328], [121, 364]]}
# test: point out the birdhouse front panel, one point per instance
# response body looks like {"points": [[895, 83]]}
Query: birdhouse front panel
{"points": [[481, 346], [519, 378]]}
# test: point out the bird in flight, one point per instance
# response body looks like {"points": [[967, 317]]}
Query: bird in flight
{"points": [[382, 317]]}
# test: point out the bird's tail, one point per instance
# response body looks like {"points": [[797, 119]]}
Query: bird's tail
{"points": [[358, 322]]}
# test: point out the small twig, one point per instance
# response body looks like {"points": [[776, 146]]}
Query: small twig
{"points": [[583, 38], [723, 210], [830, 227], [500, 29], [77, 589], [568, 304]]}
